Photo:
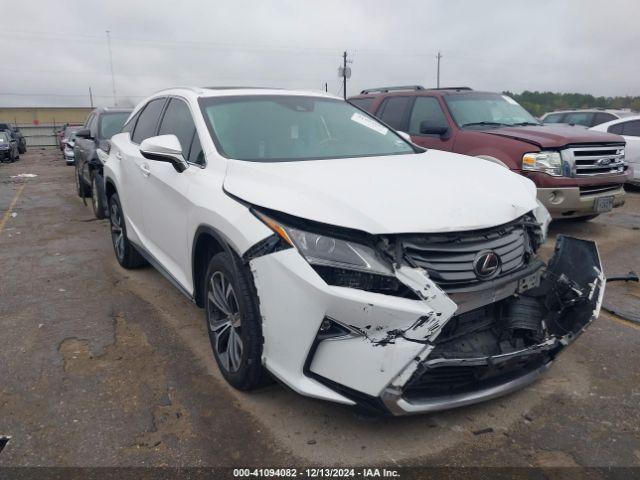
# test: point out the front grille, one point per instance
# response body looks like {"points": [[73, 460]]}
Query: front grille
{"points": [[595, 160], [448, 258], [598, 189], [457, 379]]}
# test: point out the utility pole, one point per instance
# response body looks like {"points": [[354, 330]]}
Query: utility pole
{"points": [[326, 87], [344, 74], [439, 56], [90, 97], [113, 79]]}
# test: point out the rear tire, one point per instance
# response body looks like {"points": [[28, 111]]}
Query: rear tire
{"points": [[98, 202], [234, 323], [126, 254]]}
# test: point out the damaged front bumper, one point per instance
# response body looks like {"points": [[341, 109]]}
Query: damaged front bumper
{"points": [[425, 353]]}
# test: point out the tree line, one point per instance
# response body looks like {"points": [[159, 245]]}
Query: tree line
{"points": [[538, 103]]}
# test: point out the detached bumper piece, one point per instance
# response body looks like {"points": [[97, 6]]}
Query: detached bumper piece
{"points": [[501, 347]]}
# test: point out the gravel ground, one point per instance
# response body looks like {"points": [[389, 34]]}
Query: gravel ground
{"points": [[105, 367]]}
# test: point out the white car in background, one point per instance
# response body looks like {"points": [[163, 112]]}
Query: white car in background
{"points": [[629, 128], [334, 255]]}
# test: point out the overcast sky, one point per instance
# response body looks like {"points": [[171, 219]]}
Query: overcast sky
{"points": [[55, 50]]}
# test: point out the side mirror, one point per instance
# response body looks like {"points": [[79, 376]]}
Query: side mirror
{"points": [[84, 133], [429, 128], [164, 148], [406, 136]]}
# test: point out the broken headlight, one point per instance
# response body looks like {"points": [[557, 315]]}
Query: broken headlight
{"points": [[543, 218], [326, 251], [342, 263]]}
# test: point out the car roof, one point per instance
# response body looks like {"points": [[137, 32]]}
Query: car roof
{"points": [[102, 110], [421, 91]]}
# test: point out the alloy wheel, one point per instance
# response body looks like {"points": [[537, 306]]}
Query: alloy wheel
{"points": [[225, 321]]}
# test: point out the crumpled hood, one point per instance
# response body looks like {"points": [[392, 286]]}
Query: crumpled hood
{"points": [[433, 191], [555, 136]]}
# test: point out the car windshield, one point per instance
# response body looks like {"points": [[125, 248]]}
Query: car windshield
{"points": [[487, 110], [111, 123], [272, 128]]}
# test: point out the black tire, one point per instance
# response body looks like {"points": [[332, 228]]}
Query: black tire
{"points": [[98, 197], [126, 254], [586, 218], [22, 149], [243, 371], [79, 184]]}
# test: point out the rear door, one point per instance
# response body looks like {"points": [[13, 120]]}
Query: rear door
{"points": [[135, 169], [428, 111], [166, 200]]}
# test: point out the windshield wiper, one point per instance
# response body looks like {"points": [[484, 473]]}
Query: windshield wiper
{"points": [[495, 124], [524, 124]]}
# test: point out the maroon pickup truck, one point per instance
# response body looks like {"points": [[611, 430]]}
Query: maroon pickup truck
{"points": [[579, 173]]}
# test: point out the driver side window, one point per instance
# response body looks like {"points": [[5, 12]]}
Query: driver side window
{"points": [[426, 109]]}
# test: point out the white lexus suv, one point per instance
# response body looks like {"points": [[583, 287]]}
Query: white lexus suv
{"points": [[332, 254]]}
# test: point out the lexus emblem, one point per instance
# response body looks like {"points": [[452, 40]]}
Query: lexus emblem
{"points": [[486, 264]]}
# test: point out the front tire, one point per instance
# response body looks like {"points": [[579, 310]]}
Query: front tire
{"points": [[233, 322], [127, 256], [97, 195]]}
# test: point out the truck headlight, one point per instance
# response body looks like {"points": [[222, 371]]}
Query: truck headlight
{"points": [[545, 161]]}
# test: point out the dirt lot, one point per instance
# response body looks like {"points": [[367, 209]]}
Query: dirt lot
{"points": [[100, 366]]}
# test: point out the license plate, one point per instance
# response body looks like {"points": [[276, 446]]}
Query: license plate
{"points": [[604, 204]]}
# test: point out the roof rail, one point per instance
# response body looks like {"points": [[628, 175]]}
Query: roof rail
{"points": [[391, 89], [451, 88]]}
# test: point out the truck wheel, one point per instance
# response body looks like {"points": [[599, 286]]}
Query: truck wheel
{"points": [[22, 148], [126, 254], [233, 322], [98, 199]]}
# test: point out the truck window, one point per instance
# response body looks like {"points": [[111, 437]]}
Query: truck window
{"points": [[426, 109], [393, 111], [363, 103]]}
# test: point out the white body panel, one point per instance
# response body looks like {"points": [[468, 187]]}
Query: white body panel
{"points": [[431, 192], [632, 149], [414, 193]]}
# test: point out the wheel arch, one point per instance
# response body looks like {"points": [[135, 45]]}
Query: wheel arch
{"points": [[207, 242], [109, 188]]}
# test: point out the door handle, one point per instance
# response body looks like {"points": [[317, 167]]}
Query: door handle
{"points": [[146, 171], [118, 156]]}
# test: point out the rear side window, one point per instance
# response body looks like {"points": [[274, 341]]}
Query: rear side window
{"points": [[177, 121], [128, 127], [617, 128], [632, 129], [393, 111], [602, 117], [148, 121], [579, 118], [426, 109], [553, 118], [363, 103]]}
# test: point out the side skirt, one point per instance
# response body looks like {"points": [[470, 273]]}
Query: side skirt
{"points": [[165, 273]]}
